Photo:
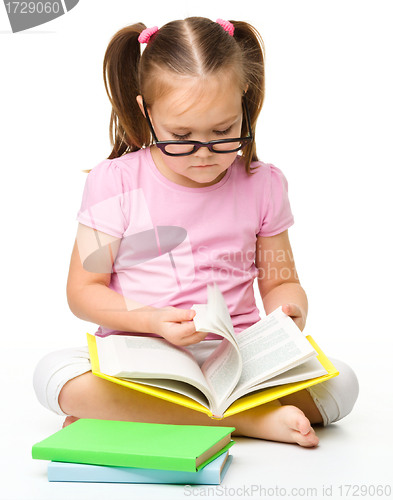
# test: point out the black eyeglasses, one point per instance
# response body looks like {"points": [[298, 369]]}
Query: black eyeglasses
{"points": [[185, 148]]}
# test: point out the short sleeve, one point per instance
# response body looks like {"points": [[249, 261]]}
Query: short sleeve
{"points": [[276, 215], [103, 200]]}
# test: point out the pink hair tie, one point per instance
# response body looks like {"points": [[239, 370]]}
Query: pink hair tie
{"points": [[146, 34], [229, 27]]}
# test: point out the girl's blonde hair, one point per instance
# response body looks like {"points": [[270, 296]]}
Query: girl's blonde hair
{"points": [[194, 47]]}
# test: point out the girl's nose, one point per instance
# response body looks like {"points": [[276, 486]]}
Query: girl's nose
{"points": [[203, 152]]}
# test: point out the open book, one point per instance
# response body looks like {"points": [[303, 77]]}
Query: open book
{"points": [[266, 361]]}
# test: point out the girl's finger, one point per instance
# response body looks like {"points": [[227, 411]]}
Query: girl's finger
{"points": [[291, 310]]}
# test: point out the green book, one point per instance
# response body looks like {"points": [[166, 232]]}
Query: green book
{"points": [[135, 444]]}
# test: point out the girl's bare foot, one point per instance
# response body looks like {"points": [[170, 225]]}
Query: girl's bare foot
{"points": [[286, 424], [69, 420], [299, 426]]}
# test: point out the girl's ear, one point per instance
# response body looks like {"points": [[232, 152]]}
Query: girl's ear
{"points": [[139, 100]]}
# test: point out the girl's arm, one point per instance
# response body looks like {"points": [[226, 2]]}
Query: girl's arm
{"points": [[90, 298], [88, 295], [278, 281]]}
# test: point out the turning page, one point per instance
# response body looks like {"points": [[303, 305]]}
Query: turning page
{"points": [[214, 316], [223, 367], [222, 371]]}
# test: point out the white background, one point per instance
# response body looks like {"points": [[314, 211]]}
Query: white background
{"points": [[326, 123]]}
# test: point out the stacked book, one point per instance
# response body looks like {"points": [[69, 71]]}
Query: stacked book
{"points": [[108, 451]]}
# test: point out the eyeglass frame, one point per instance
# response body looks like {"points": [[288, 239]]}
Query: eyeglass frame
{"points": [[198, 144]]}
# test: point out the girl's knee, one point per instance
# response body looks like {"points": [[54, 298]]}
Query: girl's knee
{"points": [[345, 388], [73, 394], [336, 397], [54, 370]]}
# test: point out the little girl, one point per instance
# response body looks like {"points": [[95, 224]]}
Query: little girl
{"points": [[182, 202]]}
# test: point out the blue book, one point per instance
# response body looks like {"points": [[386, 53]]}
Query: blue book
{"points": [[212, 473]]}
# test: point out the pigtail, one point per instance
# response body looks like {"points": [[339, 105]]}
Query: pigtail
{"points": [[253, 50], [128, 129]]}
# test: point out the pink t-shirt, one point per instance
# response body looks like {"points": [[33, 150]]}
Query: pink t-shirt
{"points": [[176, 239]]}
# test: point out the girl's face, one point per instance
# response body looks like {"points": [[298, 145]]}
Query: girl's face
{"points": [[184, 114]]}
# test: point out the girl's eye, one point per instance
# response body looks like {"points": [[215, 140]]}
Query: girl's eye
{"points": [[181, 137], [187, 136], [223, 132]]}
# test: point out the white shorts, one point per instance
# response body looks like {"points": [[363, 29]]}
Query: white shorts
{"points": [[334, 398]]}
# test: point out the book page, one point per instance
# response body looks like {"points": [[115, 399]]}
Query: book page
{"points": [[214, 316], [306, 371], [270, 347], [178, 387], [222, 370], [218, 311], [130, 357], [203, 324], [310, 369], [223, 367]]}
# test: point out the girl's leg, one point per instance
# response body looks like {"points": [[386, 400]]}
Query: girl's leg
{"points": [[336, 397], [331, 400], [64, 384], [54, 370], [88, 396]]}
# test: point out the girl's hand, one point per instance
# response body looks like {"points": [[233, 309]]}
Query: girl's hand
{"points": [[294, 312], [175, 325]]}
